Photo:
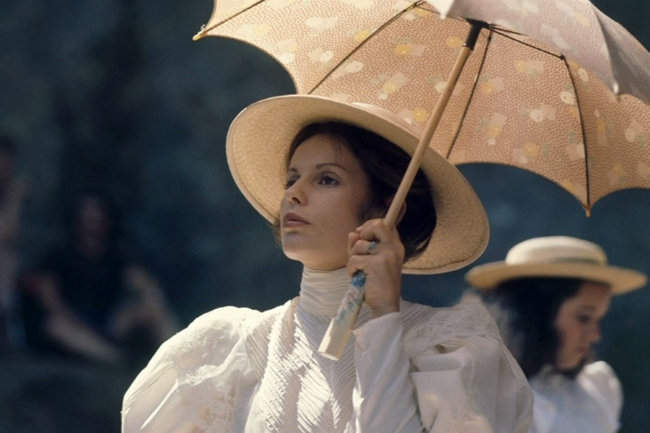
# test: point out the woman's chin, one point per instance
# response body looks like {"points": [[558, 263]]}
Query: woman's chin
{"points": [[301, 255], [292, 251], [312, 261]]}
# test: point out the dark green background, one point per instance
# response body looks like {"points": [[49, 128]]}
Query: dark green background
{"points": [[115, 93]]}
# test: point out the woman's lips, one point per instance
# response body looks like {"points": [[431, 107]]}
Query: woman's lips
{"points": [[293, 220]]}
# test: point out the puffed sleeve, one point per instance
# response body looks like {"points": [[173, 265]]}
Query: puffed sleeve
{"points": [[602, 384], [191, 381], [465, 379]]}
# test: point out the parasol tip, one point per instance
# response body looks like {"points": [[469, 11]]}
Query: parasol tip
{"points": [[200, 34]]}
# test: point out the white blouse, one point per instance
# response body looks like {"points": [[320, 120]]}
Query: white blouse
{"points": [[244, 371], [589, 404]]}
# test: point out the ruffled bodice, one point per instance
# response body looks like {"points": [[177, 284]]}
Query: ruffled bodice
{"points": [[304, 391], [589, 404], [245, 371]]}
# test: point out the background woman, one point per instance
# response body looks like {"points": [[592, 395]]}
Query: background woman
{"points": [[548, 298], [324, 173], [88, 299]]}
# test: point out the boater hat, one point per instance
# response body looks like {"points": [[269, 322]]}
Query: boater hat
{"points": [[556, 256], [259, 139]]}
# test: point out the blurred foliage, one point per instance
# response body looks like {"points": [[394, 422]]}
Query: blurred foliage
{"points": [[116, 94]]}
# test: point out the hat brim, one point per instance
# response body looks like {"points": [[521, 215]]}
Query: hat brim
{"points": [[258, 141], [620, 280]]}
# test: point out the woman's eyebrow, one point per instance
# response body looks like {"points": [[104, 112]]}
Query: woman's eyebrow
{"points": [[326, 164], [320, 166]]}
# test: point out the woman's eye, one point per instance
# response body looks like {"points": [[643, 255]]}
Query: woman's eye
{"points": [[584, 319], [289, 182], [327, 180]]}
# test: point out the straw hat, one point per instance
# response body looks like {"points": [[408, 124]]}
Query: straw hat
{"points": [[556, 256], [259, 138]]}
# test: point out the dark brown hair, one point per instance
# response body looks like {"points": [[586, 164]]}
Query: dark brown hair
{"points": [[525, 310], [384, 164]]}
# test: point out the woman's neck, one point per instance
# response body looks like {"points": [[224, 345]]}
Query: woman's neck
{"points": [[321, 291]]}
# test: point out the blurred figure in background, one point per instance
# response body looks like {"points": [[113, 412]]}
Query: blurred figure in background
{"points": [[12, 192], [548, 298], [88, 299]]}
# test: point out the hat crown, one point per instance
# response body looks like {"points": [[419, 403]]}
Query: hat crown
{"points": [[556, 249]]}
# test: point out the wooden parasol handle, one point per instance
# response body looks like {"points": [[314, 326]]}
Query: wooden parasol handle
{"points": [[340, 327]]}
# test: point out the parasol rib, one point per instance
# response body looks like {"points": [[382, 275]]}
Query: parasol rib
{"points": [[507, 34], [365, 41], [586, 206], [452, 142], [204, 30], [492, 29]]}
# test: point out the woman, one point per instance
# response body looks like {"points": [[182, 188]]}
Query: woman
{"points": [[548, 298], [87, 299], [325, 172]]}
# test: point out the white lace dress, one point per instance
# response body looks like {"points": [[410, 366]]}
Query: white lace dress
{"points": [[589, 404], [243, 371]]}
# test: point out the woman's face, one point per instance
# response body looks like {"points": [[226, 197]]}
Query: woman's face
{"points": [[92, 222], [326, 189], [578, 323]]}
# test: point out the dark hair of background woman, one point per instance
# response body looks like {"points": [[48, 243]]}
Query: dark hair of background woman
{"points": [[525, 310], [385, 164]]}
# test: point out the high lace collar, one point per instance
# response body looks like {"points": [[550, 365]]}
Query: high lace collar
{"points": [[321, 291]]}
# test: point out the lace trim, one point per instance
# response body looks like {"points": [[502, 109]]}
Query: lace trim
{"points": [[468, 319], [216, 355], [209, 359]]}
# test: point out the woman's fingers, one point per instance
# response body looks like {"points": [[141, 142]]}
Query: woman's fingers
{"points": [[362, 247], [377, 250], [374, 229], [374, 238]]}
